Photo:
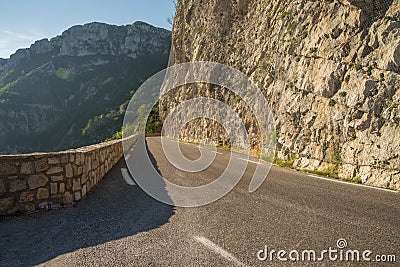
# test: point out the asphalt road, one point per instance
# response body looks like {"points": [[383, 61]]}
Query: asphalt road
{"points": [[120, 225]]}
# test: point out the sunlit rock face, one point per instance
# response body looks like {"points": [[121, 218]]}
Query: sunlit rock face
{"points": [[330, 70], [72, 90]]}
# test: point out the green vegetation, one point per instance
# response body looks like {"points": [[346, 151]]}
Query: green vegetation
{"points": [[284, 163], [294, 43], [75, 101], [381, 77], [154, 124], [326, 173], [357, 66], [291, 28], [332, 102], [369, 71], [343, 94], [116, 136], [347, 78], [330, 172], [392, 18], [337, 157], [263, 65], [391, 105], [374, 91], [286, 14], [356, 180], [199, 28]]}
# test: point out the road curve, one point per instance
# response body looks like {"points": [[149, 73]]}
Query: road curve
{"points": [[119, 225]]}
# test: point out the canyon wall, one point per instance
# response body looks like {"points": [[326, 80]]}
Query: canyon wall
{"points": [[330, 70]]}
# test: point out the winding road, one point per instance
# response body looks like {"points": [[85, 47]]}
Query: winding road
{"points": [[120, 225]]}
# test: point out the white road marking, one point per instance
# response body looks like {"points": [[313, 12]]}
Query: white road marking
{"points": [[349, 183], [250, 161], [209, 244], [216, 152], [128, 156], [127, 177]]}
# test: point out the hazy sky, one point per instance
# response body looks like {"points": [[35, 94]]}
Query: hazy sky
{"points": [[24, 21]]}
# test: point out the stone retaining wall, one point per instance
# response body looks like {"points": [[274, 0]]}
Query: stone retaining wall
{"points": [[49, 180]]}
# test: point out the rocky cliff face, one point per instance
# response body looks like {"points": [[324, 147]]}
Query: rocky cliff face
{"points": [[330, 69], [72, 90]]}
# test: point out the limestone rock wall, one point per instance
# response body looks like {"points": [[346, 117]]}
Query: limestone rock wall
{"points": [[50, 180], [330, 69]]}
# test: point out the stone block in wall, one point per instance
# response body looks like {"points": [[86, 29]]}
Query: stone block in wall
{"points": [[26, 168], [84, 178], [84, 190], [8, 169], [64, 159], [67, 198], [17, 185], [27, 208], [43, 193], [41, 166], [95, 163], [80, 170], [53, 161], [6, 204], [62, 187], [57, 197], [54, 188], [55, 170], [3, 189], [26, 197], [69, 173], [77, 196], [102, 172], [68, 185], [57, 178], [75, 170], [37, 180], [89, 185], [76, 184], [80, 159]]}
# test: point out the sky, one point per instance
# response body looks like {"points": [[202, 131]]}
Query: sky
{"points": [[22, 22]]}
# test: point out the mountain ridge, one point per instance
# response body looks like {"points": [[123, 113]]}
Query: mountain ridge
{"points": [[52, 91]]}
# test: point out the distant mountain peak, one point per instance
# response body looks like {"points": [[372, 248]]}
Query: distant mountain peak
{"points": [[68, 91], [97, 38]]}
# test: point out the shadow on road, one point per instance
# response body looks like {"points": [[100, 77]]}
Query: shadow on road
{"points": [[113, 210]]}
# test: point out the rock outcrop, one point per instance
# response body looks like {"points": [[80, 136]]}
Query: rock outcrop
{"points": [[52, 93], [97, 39], [330, 70]]}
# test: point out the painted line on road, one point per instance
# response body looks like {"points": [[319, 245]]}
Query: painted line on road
{"points": [[209, 244], [127, 177], [211, 150], [348, 183], [133, 147], [250, 161], [128, 156]]}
